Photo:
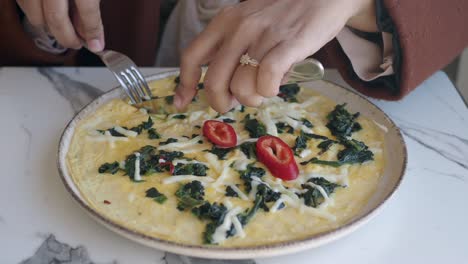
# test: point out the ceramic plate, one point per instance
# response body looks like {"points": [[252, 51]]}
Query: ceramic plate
{"points": [[390, 180]]}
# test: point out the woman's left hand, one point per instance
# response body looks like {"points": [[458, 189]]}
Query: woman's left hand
{"points": [[275, 33]]}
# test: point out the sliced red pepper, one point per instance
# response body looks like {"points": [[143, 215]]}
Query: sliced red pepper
{"points": [[219, 133], [278, 157]]}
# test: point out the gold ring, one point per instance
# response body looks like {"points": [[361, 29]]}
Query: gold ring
{"points": [[247, 60]]}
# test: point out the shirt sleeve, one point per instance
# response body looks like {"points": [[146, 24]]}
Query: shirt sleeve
{"points": [[368, 59]]}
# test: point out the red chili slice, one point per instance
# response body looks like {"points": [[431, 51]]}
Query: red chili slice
{"points": [[278, 157], [220, 133]]}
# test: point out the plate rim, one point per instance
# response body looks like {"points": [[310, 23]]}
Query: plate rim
{"points": [[268, 250]]}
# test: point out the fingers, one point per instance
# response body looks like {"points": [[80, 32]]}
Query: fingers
{"points": [[199, 52], [59, 23], [90, 24], [222, 67], [33, 11], [275, 65], [244, 81]]}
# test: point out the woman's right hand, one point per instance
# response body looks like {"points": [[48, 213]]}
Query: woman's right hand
{"points": [[70, 22]]}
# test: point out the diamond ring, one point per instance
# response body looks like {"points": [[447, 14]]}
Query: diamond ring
{"points": [[247, 60]]}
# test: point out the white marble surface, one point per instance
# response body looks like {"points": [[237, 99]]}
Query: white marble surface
{"points": [[425, 222]]}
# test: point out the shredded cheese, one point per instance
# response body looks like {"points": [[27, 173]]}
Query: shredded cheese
{"points": [[125, 132], [181, 144], [136, 175], [239, 192], [220, 232], [181, 178]]}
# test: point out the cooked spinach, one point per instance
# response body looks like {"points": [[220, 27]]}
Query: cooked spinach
{"points": [[325, 145], [200, 86], [255, 128], [112, 168], [284, 128], [249, 149], [111, 131], [179, 116], [342, 123], [168, 141], [153, 134], [288, 92], [301, 142], [313, 197], [247, 174], [156, 195], [145, 125], [169, 99], [208, 211], [229, 120], [170, 155], [197, 169], [307, 123], [177, 79], [220, 152], [230, 192], [190, 195], [355, 151]]}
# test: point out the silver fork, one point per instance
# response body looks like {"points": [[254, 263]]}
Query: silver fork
{"points": [[128, 75]]}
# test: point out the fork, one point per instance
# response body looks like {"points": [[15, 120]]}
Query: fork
{"points": [[128, 75]]}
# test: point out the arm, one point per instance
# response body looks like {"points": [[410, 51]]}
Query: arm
{"points": [[422, 44]]}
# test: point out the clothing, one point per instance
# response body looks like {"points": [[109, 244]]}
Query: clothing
{"points": [[425, 37]]}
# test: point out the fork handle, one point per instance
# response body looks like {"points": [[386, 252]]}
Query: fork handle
{"points": [[305, 71]]}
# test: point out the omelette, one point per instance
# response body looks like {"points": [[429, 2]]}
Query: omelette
{"points": [[296, 166]]}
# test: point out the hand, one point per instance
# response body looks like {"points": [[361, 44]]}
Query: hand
{"points": [[70, 22], [275, 33]]}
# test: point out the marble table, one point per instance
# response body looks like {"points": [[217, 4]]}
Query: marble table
{"points": [[425, 222]]}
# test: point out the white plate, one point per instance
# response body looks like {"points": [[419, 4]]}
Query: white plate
{"points": [[396, 157]]}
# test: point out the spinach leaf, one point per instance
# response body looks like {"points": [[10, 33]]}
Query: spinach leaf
{"points": [[220, 152], [112, 132], [307, 123], [197, 169], [249, 149], [255, 128], [288, 92], [342, 123], [168, 141], [190, 195], [230, 192], [145, 125], [208, 211], [325, 145], [170, 155], [156, 195], [112, 168], [229, 120], [169, 99], [247, 174], [153, 134], [354, 152], [179, 116], [284, 128], [313, 197]]}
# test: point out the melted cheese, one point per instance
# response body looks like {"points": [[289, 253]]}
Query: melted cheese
{"points": [[125, 132], [136, 175]]}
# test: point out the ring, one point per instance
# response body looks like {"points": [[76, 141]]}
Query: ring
{"points": [[247, 60]]}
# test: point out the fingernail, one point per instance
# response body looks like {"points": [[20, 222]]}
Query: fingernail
{"points": [[95, 45]]}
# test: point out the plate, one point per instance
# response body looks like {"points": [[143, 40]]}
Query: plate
{"points": [[396, 159]]}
